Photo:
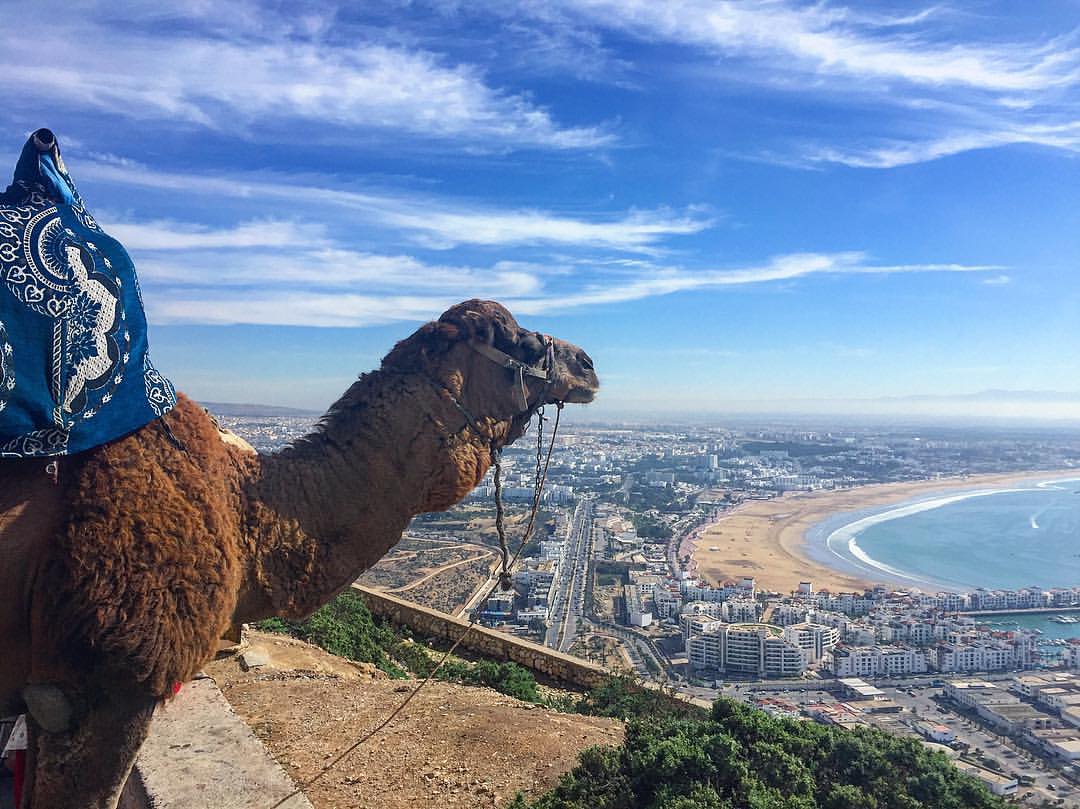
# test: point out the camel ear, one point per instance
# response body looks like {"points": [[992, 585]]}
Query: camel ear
{"points": [[440, 336]]}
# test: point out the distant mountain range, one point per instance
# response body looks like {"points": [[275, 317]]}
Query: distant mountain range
{"points": [[235, 409]]}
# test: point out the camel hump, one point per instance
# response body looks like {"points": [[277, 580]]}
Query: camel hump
{"points": [[233, 440]]}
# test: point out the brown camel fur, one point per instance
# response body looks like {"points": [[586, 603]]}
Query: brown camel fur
{"points": [[118, 581]]}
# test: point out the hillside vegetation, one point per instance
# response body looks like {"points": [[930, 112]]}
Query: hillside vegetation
{"points": [[742, 758], [346, 627], [676, 756]]}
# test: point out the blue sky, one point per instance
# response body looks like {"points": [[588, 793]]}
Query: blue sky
{"points": [[732, 206]]}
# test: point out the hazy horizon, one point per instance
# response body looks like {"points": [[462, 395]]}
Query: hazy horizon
{"points": [[1054, 409]]}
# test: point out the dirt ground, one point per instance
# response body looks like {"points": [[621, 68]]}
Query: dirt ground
{"points": [[453, 746]]}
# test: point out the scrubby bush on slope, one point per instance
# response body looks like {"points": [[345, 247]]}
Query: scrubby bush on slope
{"points": [[345, 627], [742, 758]]}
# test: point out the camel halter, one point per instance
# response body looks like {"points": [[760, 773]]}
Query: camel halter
{"points": [[545, 372]]}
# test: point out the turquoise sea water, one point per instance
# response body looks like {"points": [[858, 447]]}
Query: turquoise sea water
{"points": [[1003, 538], [1010, 537], [1051, 629]]}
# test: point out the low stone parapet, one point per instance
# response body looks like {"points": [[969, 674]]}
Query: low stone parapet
{"points": [[481, 640], [495, 645]]}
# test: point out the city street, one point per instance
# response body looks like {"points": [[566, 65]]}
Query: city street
{"points": [[568, 600]]}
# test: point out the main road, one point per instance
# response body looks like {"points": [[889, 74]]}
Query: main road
{"points": [[568, 600]]}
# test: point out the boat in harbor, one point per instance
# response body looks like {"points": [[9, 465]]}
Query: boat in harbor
{"points": [[1065, 619]]}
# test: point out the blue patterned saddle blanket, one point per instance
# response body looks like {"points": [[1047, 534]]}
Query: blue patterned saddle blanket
{"points": [[75, 371]]}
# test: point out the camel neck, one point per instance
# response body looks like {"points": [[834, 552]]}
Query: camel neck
{"points": [[330, 506]]}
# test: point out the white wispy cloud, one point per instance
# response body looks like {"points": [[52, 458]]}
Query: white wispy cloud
{"points": [[898, 153], [918, 85], [432, 222], [668, 280], [330, 269], [336, 286], [637, 231], [229, 79], [166, 234], [296, 308], [833, 40]]}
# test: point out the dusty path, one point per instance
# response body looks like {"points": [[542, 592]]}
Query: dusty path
{"points": [[437, 571], [446, 543], [454, 746]]}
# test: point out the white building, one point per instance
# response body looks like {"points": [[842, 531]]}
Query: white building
{"points": [[978, 656], [636, 614], [692, 591], [973, 693], [551, 549], [757, 650], [693, 624], [712, 609], [1072, 655], [647, 583], [706, 650], [666, 604], [741, 610], [997, 783], [875, 661], [787, 614], [814, 639], [942, 734]]}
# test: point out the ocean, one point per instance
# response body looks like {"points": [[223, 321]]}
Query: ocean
{"points": [[1008, 538], [1000, 538]]}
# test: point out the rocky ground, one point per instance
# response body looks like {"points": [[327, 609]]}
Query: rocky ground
{"points": [[453, 746]]}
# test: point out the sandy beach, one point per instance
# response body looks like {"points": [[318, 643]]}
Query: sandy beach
{"points": [[767, 538]]}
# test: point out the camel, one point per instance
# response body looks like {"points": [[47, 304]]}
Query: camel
{"points": [[119, 579]]}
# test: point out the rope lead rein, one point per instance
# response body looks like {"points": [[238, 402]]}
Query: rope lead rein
{"points": [[504, 572]]}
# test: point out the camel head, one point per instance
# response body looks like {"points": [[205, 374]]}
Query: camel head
{"points": [[495, 368]]}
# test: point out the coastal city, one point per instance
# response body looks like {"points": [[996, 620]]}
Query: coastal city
{"points": [[661, 551]]}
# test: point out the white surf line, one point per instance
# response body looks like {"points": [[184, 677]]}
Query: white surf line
{"points": [[1053, 484], [847, 534]]}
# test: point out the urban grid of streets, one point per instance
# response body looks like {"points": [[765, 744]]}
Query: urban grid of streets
{"points": [[917, 695], [594, 466]]}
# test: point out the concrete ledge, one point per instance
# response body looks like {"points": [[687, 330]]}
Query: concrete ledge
{"points": [[201, 755], [496, 645]]}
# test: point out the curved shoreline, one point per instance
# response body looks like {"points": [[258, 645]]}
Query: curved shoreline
{"points": [[841, 543], [779, 541]]}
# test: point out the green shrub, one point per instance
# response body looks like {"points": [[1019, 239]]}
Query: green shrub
{"points": [[737, 757], [345, 627], [621, 697]]}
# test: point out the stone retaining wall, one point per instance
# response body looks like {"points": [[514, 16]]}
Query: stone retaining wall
{"points": [[430, 623]]}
